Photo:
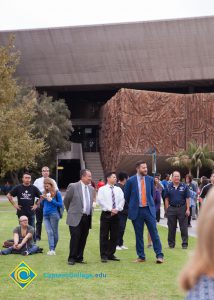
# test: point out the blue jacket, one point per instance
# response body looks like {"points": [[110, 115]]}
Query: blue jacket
{"points": [[131, 193], [52, 207]]}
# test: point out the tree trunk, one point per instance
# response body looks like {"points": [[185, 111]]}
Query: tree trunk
{"points": [[198, 170], [14, 177]]}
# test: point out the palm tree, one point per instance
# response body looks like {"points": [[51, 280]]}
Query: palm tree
{"points": [[194, 157], [202, 157], [180, 160]]}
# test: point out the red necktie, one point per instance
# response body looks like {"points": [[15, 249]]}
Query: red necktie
{"points": [[143, 191]]}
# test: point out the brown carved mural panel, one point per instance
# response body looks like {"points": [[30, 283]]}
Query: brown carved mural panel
{"points": [[200, 121], [135, 121]]}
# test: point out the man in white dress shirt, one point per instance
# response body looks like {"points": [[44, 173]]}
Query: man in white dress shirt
{"points": [[111, 200], [39, 183]]}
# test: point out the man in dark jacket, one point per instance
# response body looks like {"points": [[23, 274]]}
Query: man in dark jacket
{"points": [[207, 187], [138, 193], [123, 215]]}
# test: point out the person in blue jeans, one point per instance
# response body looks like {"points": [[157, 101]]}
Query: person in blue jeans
{"points": [[23, 239], [52, 202]]}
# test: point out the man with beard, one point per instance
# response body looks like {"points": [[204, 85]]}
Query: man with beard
{"points": [[139, 195]]}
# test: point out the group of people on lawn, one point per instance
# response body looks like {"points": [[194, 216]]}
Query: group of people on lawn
{"points": [[138, 193]]}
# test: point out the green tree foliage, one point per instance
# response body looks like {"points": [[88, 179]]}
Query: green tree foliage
{"points": [[32, 126], [9, 59], [19, 147], [196, 156], [52, 123]]}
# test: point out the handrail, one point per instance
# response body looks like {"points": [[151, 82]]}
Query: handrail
{"points": [[76, 152], [82, 162]]}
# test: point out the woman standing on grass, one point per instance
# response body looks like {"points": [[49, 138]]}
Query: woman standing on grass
{"points": [[198, 275], [52, 202]]}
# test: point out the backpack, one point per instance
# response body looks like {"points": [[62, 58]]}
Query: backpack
{"points": [[60, 209], [8, 243]]}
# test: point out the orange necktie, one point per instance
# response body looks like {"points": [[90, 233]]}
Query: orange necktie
{"points": [[143, 191]]}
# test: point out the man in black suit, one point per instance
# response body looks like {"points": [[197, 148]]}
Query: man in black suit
{"points": [[78, 203], [123, 215]]}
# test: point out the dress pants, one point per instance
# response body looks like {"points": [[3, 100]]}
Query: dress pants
{"points": [[145, 216], [174, 214], [78, 239], [122, 226], [39, 219], [109, 229]]}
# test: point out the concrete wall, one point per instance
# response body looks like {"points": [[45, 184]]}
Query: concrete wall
{"points": [[157, 51]]}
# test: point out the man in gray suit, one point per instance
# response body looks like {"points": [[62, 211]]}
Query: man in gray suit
{"points": [[78, 202]]}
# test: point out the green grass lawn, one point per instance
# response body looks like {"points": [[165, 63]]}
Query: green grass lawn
{"points": [[124, 279]]}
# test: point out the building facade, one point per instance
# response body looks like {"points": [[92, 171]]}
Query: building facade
{"points": [[88, 65]]}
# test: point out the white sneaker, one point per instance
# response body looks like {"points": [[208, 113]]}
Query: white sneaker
{"points": [[51, 252], [118, 248], [124, 248]]}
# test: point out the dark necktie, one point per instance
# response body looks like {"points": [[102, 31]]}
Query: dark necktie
{"points": [[113, 198]]}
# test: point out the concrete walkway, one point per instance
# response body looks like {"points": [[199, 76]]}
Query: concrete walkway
{"points": [[3, 198], [191, 230]]}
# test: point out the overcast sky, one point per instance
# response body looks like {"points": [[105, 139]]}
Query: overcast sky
{"points": [[20, 14]]}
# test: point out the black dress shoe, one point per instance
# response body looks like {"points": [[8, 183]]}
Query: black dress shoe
{"points": [[71, 262], [80, 261], [113, 258], [104, 259]]}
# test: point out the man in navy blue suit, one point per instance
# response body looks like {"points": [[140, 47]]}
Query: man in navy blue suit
{"points": [[139, 196]]}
